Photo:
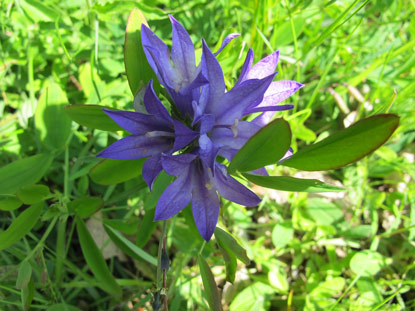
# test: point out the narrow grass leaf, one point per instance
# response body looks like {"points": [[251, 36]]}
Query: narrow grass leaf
{"points": [[52, 124], [138, 70], [111, 171], [96, 261], [38, 11], [339, 21], [266, 147], [128, 247], [32, 194], [227, 241], [20, 226], [346, 146], [92, 116], [287, 183], [23, 172], [211, 290]]}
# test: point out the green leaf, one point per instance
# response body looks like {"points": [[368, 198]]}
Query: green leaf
{"points": [[20, 226], [37, 11], [110, 171], [282, 234], [324, 212], [230, 263], [52, 124], [10, 204], [27, 294], [228, 242], [252, 298], [283, 35], [96, 261], [32, 194], [211, 290], [23, 172], [366, 263], [92, 116], [278, 279], [346, 146], [128, 247], [62, 307], [24, 274], [126, 226], [266, 147], [86, 206], [146, 229], [286, 183], [139, 72]]}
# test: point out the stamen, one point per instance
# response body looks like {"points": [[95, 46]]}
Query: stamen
{"points": [[159, 133], [234, 128], [209, 186]]}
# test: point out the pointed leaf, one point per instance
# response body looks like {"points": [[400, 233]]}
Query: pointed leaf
{"points": [[139, 72], [211, 290], [286, 183], [227, 241], [111, 171], [92, 116], [129, 247], [96, 261], [23, 172], [346, 146], [52, 124], [20, 226], [266, 147]]}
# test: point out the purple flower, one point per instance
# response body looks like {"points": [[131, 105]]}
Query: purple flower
{"points": [[277, 91], [152, 134], [198, 183], [176, 71], [208, 121]]}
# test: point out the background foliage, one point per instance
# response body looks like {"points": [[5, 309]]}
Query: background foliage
{"points": [[349, 251]]}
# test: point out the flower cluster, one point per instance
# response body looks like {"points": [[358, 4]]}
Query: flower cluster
{"points": [[206, 123]]}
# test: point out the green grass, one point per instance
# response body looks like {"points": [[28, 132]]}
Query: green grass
{"points": [[347, 251]]}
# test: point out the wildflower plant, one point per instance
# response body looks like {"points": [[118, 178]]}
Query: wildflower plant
{"points": [[213, 141]]}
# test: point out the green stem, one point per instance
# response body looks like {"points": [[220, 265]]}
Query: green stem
{"points": [[61, 239], [160, 250]]}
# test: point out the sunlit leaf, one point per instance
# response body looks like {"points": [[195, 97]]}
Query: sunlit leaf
{"points": [[52, 124], [266, 147], [92, 116], [287, 183], [139, 72], [346, 146], [227, 241], [211, 290]]}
